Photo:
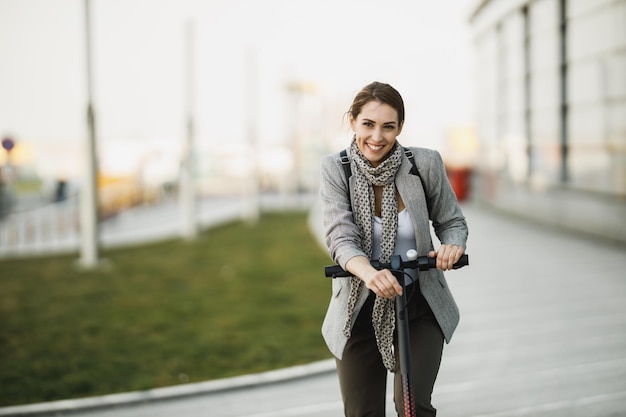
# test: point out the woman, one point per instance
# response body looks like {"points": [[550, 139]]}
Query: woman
{"points": [[383, 209]]}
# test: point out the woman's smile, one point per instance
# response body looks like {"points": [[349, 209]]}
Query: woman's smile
{"points": [[376, 128]]}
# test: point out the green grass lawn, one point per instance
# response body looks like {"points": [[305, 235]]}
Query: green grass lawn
{"points": [[239, 299]]}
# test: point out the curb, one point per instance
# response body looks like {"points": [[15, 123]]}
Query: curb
{"points": [[173, 392]]}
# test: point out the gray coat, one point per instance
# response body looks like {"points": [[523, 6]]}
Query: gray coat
{"points": [[343, 237]]}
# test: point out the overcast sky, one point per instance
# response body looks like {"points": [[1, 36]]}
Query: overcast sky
{"points": [[422, 48]]}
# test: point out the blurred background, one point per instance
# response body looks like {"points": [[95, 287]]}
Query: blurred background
{"points": [[134, 121], [526, 100]]}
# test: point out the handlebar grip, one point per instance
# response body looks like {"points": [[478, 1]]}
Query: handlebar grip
{"points": [[335, 271], [463, 261], [423, 263]]}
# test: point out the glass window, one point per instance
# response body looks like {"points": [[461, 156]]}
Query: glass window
{"points": [[580, 7], [544, 15], [590, 34], [544, 51], [588, 168], [616, 124], [586, 124], [545, 127], [544, 90], [585, 82], [615, 76]]}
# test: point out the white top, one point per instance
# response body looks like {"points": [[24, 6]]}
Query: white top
{"points": [[405, 240]]}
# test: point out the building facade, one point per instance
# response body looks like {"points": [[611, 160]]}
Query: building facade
{"points": [[551, 111]]}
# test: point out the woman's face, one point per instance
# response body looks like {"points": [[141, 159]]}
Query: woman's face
{"points": [[376, 128]]}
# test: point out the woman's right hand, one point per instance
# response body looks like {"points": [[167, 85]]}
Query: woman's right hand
{"points": [[383, 283]]}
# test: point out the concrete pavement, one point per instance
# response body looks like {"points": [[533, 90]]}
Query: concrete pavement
{"points": [[542, 333]]}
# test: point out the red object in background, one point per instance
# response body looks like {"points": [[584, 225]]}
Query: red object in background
{"points": [[460, 181]]}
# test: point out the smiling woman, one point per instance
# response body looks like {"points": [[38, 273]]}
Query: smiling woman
{"points": [[376, 118], [375, 131], [382, 210]]}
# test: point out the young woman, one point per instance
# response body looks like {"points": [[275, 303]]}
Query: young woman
{"points": [[384, 209]]}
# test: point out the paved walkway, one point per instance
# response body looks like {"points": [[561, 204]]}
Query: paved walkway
{"points": [[542, 333]]}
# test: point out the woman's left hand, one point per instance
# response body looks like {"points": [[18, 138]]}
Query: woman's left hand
{"points": [[447, 256]]}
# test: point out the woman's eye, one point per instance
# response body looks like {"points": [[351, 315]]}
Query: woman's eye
{"points": [[389, 127], [368, 124]]}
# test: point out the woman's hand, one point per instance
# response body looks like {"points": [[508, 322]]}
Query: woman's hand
{"points": [[447, 256], [382, 283]]}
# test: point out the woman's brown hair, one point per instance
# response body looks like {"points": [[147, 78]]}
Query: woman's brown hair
{"points": [[381, 92]]}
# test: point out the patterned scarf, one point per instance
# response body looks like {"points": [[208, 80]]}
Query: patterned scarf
{"points": [[383, 315]]}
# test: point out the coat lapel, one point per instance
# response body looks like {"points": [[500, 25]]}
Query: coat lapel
{"points": [[412, 193]]}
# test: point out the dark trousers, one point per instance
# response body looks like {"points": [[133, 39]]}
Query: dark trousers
{"points": [[363, 377]]}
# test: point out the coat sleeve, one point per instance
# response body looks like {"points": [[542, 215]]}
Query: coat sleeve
{"points": [[448, 220], [343, 237]]}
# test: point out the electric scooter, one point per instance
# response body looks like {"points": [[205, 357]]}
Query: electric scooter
{"points": [[397, 266]]}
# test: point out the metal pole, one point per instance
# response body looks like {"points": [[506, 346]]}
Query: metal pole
{"points": [[404, 344], [89, 251], [187, 196], [563, 105], [252, 186]]}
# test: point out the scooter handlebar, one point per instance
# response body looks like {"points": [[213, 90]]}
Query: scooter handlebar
{"points": [[423, 263]]}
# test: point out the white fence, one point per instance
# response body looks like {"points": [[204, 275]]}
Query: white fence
{"points": [[55, 228], [50, 228]]}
